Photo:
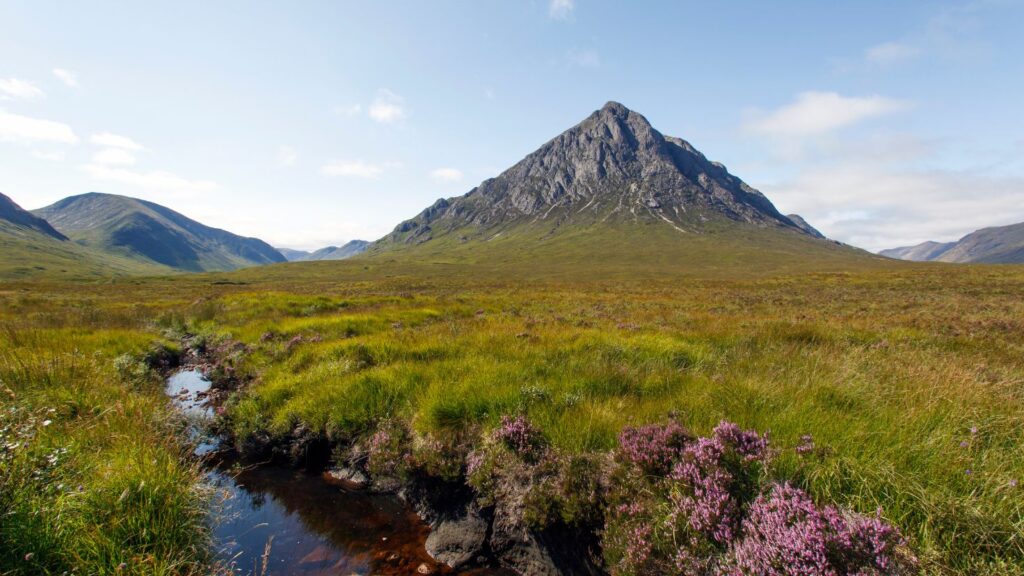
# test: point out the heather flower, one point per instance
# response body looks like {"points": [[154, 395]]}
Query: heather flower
{"points": [[517, 434], [386, 450], [654, 448], [785, 533], [806, 445]]}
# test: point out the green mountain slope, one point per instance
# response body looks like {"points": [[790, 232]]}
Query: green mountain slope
{"points": [[153, 234], [30, 248]]}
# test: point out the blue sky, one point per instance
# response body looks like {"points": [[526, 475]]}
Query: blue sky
{"points": [[311, 123]]}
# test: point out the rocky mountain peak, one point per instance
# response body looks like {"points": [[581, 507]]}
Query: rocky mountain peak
{"points": [[611, 167]]}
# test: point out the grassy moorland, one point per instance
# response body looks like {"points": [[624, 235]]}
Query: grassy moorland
{"points": [[907, 378]]}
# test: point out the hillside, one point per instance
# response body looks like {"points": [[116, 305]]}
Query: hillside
{"points": [[348, 250], [292, 255], [32, 249], [16, 220], [151, 233], [614, 192], [996, 245]]}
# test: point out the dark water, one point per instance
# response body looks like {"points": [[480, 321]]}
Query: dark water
{"points": [[275, 521]]}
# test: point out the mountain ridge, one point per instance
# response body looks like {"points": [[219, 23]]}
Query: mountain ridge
{"points": [[151, 232], [991, 245], [15, 217]]}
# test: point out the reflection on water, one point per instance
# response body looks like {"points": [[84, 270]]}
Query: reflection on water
{"points": [[312, 527], [275, 521]]}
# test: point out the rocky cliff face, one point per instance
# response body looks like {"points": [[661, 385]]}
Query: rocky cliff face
{"points": [[612, 167]]}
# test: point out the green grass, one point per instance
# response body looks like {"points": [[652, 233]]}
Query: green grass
{"points": [[889, 367], [93, 479]]}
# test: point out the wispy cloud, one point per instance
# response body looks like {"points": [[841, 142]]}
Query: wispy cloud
{"points": [[891, 53], [115, 141], [561, 9], [154, 180], [584, 58], [348, 110], [24, 129], [114, 157], [286, 155], [387, 107], [876, 205], [69, 78], [17, 89], [49, 155], [446, 174], [357, 168], [815, 113]]}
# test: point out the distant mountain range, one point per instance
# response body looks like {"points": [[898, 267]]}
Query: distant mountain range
{"points": [[996, 245], [31, 247], [348, 250], [611, 193], [154, 234]]}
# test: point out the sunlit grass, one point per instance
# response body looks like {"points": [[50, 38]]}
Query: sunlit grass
{"points": [[890, 371]]}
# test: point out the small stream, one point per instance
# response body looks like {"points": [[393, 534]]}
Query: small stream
{"points": [[274, 520]]}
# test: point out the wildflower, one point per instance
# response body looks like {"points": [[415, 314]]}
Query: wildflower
{"points": [[806, 445], [974, 430], [47, 422], [653, 448], [964, 444], [968, 472], [518, 435], [1013, 483]]}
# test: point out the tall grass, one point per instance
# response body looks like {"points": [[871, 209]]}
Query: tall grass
{"points": [[94, 480], [909, 381]]}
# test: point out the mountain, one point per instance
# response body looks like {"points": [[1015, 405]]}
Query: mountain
{"points": [[996, 245], [803, 225], [611, 189], [15, 219], [151, 233], [922, 252], [31, 248], [349, 250], [293, 255]]}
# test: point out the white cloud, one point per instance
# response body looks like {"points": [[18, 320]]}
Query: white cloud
{"points": [[815, 113], [877, 206], [357, 168], [891, 52], [114, 157], [286, 155], [49, 155], [585, 59], [387, 107], [348, 110], [67, 77], [114, 141], [21, 129], [16, 89], [154, 180], [561, 9], [446, 174]]}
